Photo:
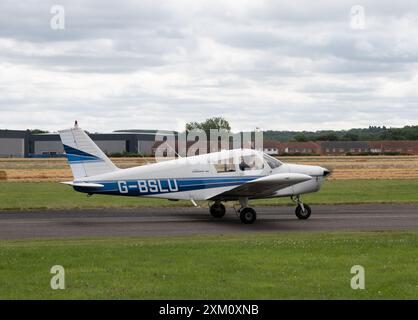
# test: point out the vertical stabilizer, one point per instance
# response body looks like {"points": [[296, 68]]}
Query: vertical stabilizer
{"points": [[84, 156]]}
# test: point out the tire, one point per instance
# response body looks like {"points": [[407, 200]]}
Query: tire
{"points": [[217, 210], [248, 215], [303, 215]]}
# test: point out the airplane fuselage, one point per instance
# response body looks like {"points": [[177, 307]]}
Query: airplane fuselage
{"points": [[194, 178]]}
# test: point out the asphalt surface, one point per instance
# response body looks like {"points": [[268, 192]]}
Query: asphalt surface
{"points": [[190, 220]]}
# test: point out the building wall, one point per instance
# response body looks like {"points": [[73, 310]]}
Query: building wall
{"points": [[55, 146], [145, 147], [112, 146], [343, 147], [45, 147], [271, 151], [12, 147]]}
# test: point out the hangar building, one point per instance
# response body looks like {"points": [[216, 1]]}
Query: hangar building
{"points": [[13, 143], [16, 143]]}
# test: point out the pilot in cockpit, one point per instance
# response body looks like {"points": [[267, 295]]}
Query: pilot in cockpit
{"points": [[243, 165]]}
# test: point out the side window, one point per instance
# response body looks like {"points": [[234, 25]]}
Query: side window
{"points": [[225, 165], [250, 162]]}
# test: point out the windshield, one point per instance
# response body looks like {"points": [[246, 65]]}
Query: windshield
{"points": [[272, 162]]}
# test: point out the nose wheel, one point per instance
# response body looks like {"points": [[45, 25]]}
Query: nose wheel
{"points": [[302, 211]]}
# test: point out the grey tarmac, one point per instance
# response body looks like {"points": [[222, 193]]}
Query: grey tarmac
{"points": [[134, 222]]}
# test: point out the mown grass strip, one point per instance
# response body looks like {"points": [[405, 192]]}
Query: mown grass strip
{"points": [[256, 266], [50, 195]]}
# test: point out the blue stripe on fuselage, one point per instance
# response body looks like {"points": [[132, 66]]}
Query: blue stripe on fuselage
{"points": [[143, 187]]}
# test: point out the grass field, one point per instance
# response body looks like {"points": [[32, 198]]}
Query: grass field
{"points": [[50, 195], [263, 266], [344, 167], [256, 266]]}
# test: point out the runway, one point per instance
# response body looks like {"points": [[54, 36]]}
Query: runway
{"points": [[190, 220]]}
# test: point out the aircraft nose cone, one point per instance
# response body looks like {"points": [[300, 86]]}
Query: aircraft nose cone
{"points": [[326, 172]]}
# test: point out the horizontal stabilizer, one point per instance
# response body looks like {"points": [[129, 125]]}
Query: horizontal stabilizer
{"points": [[84, 184]]}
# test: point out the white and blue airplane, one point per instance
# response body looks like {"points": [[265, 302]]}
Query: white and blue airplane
{"points": [[229, 175]]}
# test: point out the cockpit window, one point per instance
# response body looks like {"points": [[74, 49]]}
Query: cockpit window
{"points": [[272, 162], [250, 162]]}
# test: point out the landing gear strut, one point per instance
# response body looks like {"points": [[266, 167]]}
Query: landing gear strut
{"points": [[246, 214], [302, 211], [217, 210]]}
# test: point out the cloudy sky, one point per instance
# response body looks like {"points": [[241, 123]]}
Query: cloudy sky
{"points": [[298, 65]]}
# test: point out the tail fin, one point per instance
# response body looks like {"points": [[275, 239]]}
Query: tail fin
{"points": [[84, 156]]}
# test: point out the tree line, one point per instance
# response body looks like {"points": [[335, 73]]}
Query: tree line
{"points": [[372, 133]]}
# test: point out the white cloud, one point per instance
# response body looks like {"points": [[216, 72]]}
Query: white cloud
{"points": [[159, 64]]}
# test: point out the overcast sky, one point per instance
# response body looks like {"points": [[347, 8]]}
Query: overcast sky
{"points": [[283, 65]]}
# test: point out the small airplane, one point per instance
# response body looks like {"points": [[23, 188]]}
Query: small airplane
{"points": [[228, 175]]}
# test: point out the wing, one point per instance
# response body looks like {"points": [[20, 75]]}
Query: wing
{"points": [[263, 187]]}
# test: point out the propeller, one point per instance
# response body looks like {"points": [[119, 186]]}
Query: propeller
{"points": [[327, 172]]}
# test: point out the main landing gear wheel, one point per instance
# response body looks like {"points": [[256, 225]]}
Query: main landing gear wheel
{"points": [[303, 212], [248, 215], [217, 210]]}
